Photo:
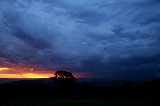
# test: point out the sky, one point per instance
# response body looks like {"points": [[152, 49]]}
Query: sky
{"points": [[116, 39]]}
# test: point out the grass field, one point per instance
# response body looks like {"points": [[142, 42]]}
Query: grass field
{"points": [[78, 103]]}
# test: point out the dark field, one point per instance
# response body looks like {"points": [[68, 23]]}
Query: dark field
{"points": [[46, 92], [81, 102]]}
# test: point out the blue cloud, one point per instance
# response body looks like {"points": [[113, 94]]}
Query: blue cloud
{"points": [[92, 36]]}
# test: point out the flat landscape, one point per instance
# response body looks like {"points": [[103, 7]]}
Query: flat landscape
{"points": [[84, 92], [80, 102]]}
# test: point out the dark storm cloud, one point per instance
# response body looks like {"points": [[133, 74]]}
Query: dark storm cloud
{"points": [[13, 20], [119, 37]]}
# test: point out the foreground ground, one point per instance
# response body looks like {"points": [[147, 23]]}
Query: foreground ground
{"points": [[73, 102], [42, 93]]}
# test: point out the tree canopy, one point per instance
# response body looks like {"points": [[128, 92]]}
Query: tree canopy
{"points": [[64, 78], [64, 75]]}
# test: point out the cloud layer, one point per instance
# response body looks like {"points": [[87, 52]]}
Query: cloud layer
{"points": [[116, 38]]}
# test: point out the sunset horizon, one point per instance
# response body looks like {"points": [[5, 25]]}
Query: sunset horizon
{"points": [[6, 72]]}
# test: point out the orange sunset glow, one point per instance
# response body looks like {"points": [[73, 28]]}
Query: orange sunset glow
{"points": [[3, 68], [29, 75], [23, 73], [26, 72]]}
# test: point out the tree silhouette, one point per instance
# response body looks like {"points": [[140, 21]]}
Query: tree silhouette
{"points": [[64, 78], [64, 75]]}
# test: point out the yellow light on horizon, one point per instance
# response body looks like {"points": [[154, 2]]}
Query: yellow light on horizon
{"points": [[3, 68], [22, 73], [27, 75], [32, 75]]}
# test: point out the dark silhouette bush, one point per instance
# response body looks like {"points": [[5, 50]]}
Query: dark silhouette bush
{"points": [[64, 78]]}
